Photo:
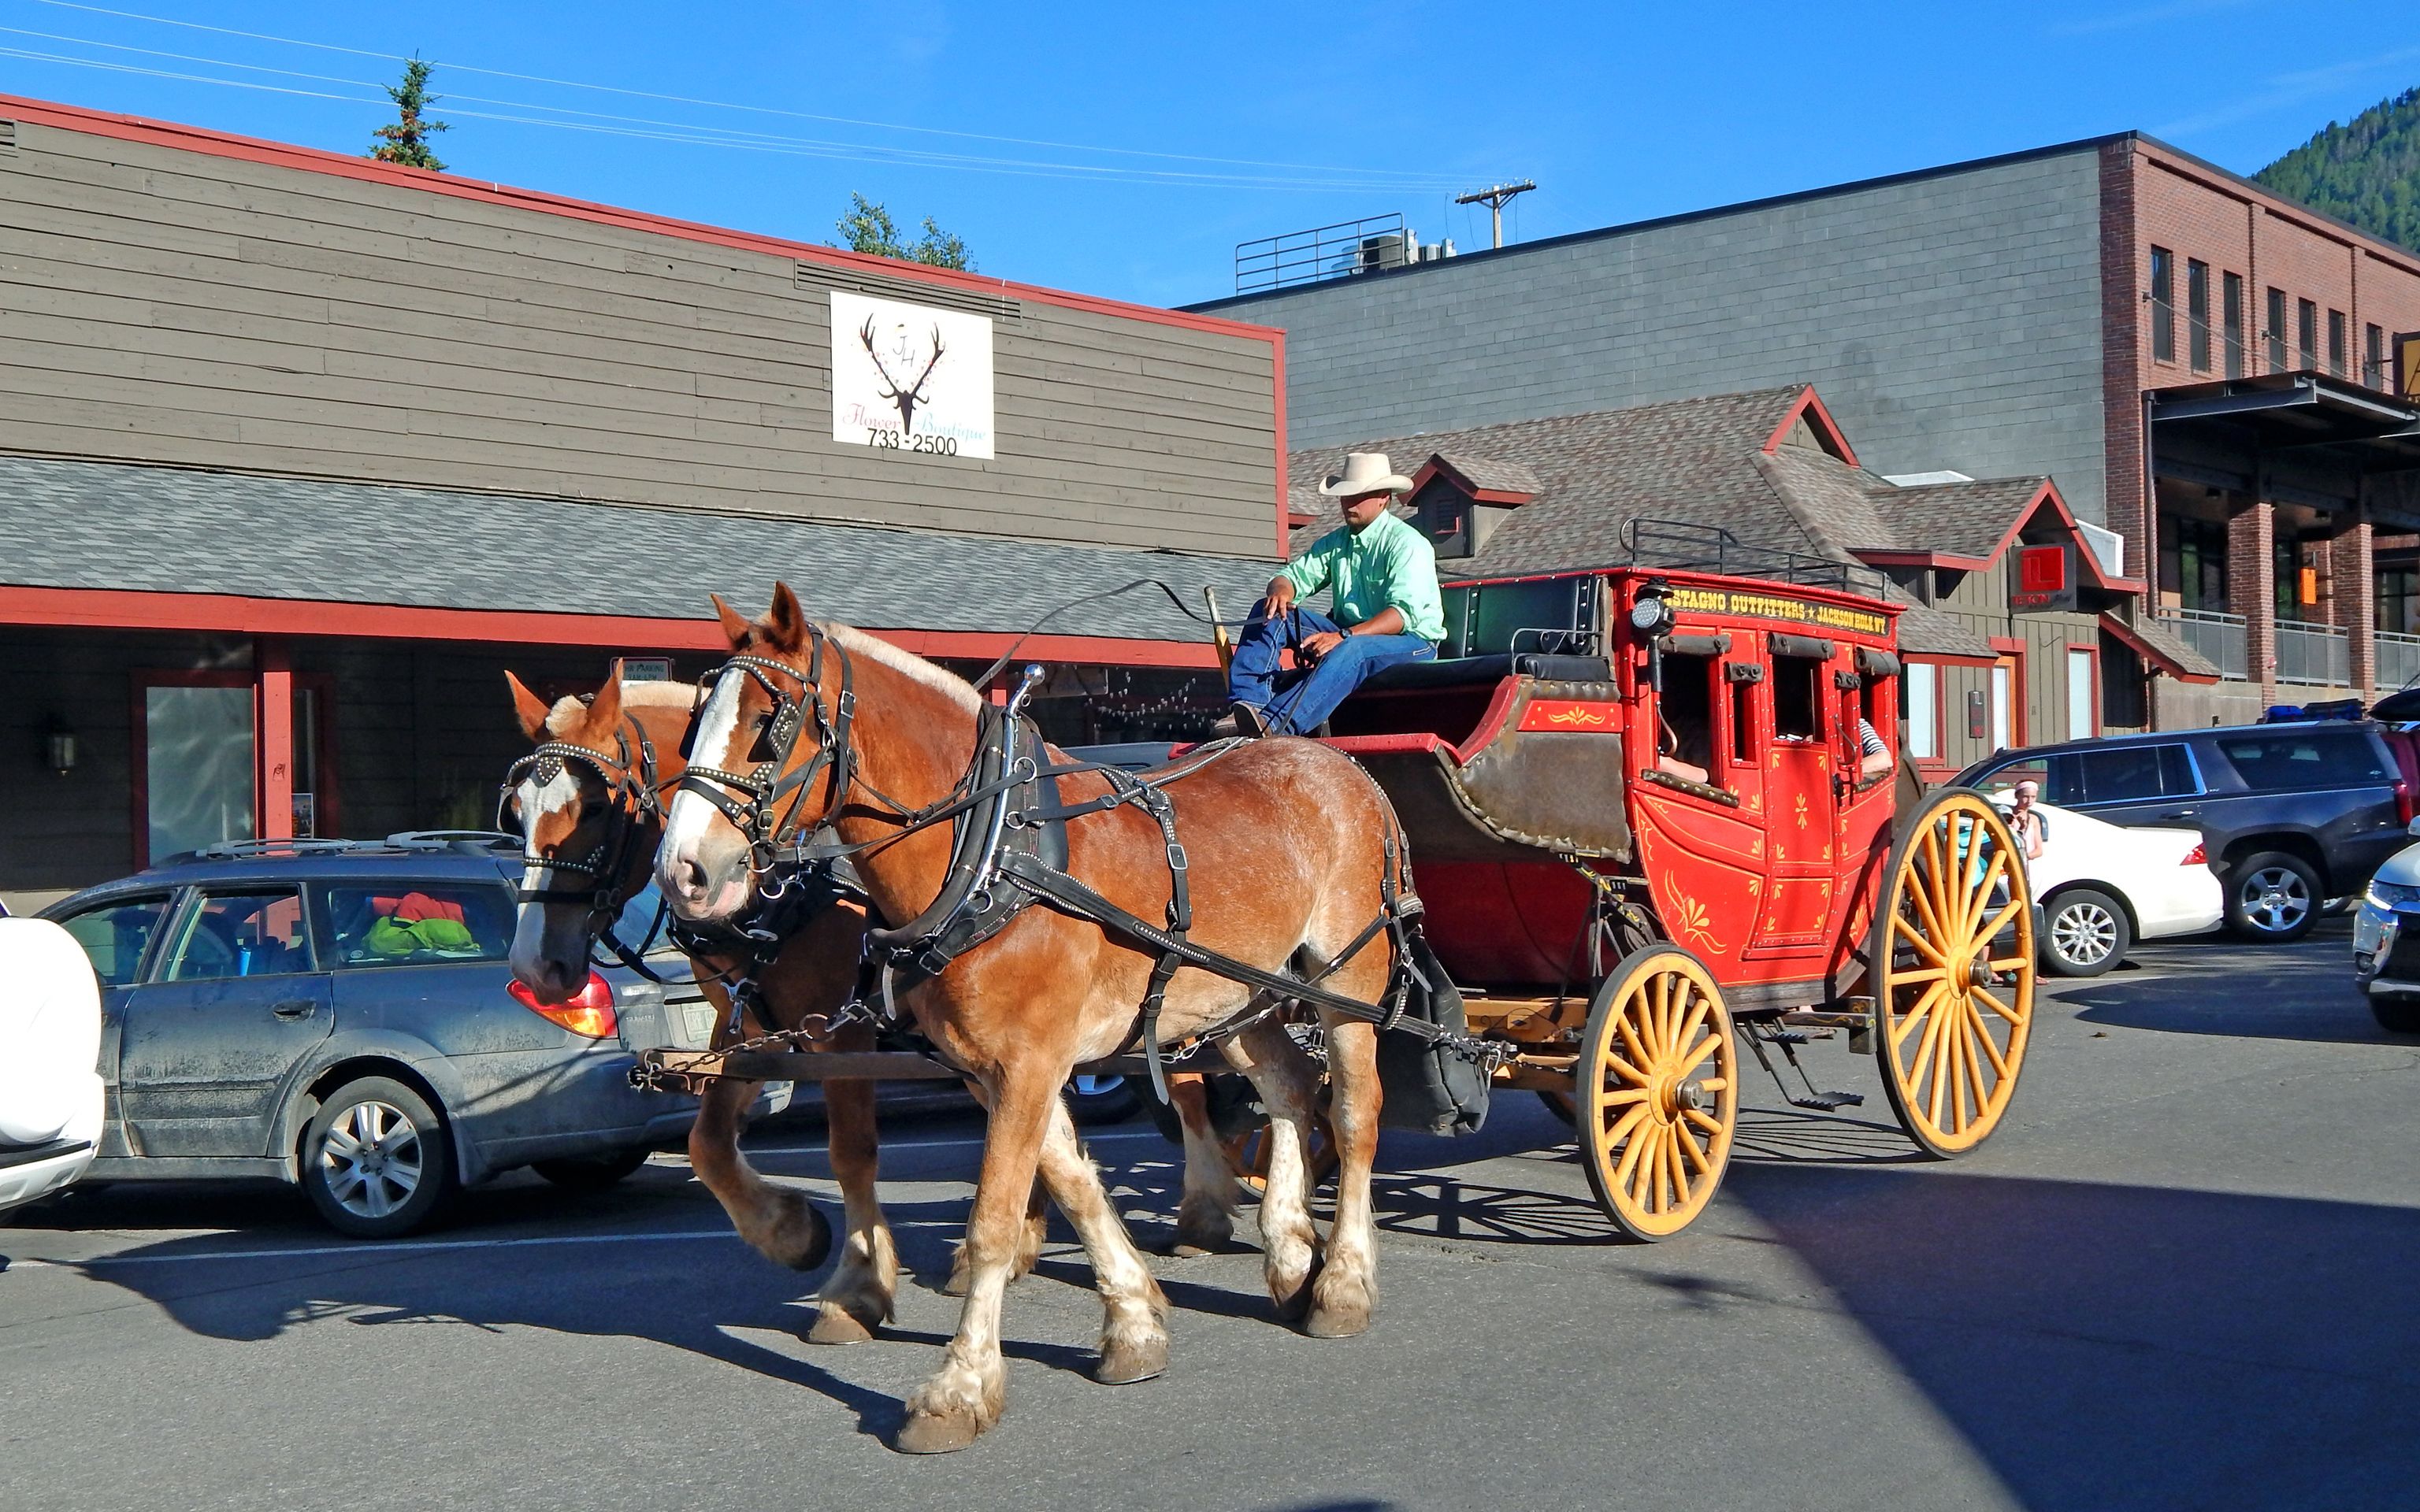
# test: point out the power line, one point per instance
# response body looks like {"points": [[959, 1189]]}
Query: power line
{"points": [[645, 129], [1404, 178]]}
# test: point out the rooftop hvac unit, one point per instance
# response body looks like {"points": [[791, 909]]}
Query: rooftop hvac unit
{"points": [[1382, 251], [1434, 250]]}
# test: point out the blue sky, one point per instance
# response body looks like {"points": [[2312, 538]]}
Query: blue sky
{"points": [[1125, 149]]}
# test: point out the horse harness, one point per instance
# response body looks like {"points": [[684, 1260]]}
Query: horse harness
{"points": [[1009, 851], [636, 792]]}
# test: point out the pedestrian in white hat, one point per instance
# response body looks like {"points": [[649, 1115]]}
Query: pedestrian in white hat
{"points": [[1385, 609]]}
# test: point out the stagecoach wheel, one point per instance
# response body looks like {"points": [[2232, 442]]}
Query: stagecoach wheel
{"points": [[1954, 967], [1658, 1091]]}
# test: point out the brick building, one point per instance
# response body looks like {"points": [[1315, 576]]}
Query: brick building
{"points": [[2200, 365], [300, 452]]}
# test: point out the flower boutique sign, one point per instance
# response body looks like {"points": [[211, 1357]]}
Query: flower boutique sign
{"points": [[908, 378]]}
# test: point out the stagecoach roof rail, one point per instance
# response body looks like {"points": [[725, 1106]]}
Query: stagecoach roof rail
{"points": [[1688, 545]]}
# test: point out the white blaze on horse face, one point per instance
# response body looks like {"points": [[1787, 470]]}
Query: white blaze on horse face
{"points": [[548, 934], [691, 818]]}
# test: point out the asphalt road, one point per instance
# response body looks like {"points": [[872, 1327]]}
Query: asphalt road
{"points": [[2179, 1278]]}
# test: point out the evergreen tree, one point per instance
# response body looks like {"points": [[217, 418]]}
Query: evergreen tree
{"points": [[407, 140], [2367, 171], [869, 228]]}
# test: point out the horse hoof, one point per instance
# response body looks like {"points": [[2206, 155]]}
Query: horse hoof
{"points": [[1122, 1364], [1184, 1251], [1195, 1240], [936, 1433], [1336, 1322], [959, 1279], [836, 1324]]}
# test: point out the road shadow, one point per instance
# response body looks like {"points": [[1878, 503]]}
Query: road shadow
{"points": [[2123, 1347], [2248, 996]]}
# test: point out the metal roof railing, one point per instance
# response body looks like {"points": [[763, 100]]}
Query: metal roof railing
{"points": [[1686, 546], [1324, 252]]}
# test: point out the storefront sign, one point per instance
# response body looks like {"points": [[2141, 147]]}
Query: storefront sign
{"points": [[908, 378], [646, 668], [1777, 607], [2044, 579]]}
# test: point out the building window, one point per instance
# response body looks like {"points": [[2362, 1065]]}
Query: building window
{"points": [[2121, 687], [2306, 335], [2398, 600], [2164, 305], [1920, 710], [2373, 357], [2276, 330], [2233, 286], [2197, 315], [2336, 342], [2193, 561]]}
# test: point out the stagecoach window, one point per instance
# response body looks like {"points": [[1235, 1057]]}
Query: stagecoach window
{"points": [[1798, 684], [1687, 707], [1743, 721], [1877, 705]]}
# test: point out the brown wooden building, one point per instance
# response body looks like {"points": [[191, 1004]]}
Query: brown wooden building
{"points": [[299, 452]]}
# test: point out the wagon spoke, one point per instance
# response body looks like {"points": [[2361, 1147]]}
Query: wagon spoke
{"points": [[1944, 1068], [1713, 1084], [1659, 1018], [1997, 1007], [1923, 947], [1639, 1055], [1622, 1127], [1983, 1032], [1970, 1068], [1915, 1015], [1919, 891], [1926, 1050], [1705, 1047], [1702, 1119], [1689, 1148], [1979, 893], [1625, 1094], [1999, 921], [1690, 1026]]}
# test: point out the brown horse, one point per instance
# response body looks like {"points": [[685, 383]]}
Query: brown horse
{"points": [[1286, 845], [597, 836]]}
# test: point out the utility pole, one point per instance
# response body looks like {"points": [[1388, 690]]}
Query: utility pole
{"points": [[1496, 199]]}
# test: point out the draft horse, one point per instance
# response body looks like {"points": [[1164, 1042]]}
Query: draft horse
{"points": [[1287, 844], [588, 801]]}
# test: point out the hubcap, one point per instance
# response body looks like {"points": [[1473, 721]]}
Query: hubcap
{"points": [[371, 1160], [2084, 935], [2275, 899]]}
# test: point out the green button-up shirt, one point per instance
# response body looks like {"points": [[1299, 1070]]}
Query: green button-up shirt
{"points": [[1388, 564]]}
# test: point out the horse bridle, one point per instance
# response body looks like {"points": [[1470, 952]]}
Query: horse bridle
{"points": [[634, 791], [749, 799]]}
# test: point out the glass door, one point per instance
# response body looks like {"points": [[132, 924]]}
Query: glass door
{"points": [[197, 753]]}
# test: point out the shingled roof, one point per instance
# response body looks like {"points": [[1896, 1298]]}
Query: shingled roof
{"points": [[1766, 465], [106, 525]]}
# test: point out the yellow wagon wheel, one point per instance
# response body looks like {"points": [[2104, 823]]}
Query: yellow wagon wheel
{"points": [[1247, 1156], [1658, 1093], [1954, 979]]}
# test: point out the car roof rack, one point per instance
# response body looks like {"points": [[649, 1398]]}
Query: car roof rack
{"points": [[232, 849], [473, 841]]}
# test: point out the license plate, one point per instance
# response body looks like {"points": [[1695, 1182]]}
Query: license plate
{"points": [[698, 1018]]}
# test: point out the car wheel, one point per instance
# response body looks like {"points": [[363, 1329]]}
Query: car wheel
{"points": [[2272, 897], [593, 1173], [2084, 932], [2395, 1013], [375, 1161], [1093, 1100]]}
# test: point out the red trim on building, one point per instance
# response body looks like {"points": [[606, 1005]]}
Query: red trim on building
{"points": [[120, 609], [273, 724], [1810, 405], [2112, 624], [1286, 520]]}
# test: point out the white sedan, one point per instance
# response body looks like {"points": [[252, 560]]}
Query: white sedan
{"points": [[50, 1050], [2101, 886]]}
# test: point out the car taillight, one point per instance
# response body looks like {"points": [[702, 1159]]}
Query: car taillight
{"points": [[2403, 803], [589, 1013], [2198, 855]]}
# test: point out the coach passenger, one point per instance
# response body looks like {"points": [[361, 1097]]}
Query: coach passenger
{"points": [[1382, 576]]}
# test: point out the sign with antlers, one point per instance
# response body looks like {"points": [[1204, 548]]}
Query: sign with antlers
{"points": [[908, 378]]}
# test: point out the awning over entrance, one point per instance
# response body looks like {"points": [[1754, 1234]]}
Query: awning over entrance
{"points": [[2302, 439], [2161, 651]]}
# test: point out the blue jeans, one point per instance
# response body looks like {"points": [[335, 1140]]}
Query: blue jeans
{"points": [[1307, 699]]}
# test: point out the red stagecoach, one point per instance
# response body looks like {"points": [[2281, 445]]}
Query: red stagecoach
{"points": [[1641, 821]]}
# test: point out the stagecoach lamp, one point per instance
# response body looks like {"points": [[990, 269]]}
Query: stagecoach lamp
{"points": [[62, 750], [1649, 614]]}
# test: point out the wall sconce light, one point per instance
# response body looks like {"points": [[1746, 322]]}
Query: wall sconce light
{"points": [[61, 748]]}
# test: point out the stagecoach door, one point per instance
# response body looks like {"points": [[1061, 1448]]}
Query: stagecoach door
{"points": [[1802, 799]]}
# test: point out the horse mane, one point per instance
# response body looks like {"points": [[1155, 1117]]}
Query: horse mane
{"points": [[906, 663], [568, 710]]}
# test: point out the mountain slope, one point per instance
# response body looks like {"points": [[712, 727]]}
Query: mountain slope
{"points": [[2367, 172]]}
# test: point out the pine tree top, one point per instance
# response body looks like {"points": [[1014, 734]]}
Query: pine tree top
{"points": [[406, 140], [2365, 171]]}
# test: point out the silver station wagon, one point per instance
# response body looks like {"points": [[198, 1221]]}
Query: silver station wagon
{"points": [[341, 1015]]}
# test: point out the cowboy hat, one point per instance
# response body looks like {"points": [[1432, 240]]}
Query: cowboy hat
{"points": [[1365, 472]]}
